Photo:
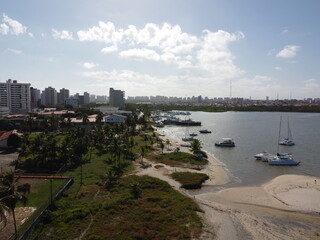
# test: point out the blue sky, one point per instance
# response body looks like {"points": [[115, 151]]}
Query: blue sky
{"points": [[172, 48]]}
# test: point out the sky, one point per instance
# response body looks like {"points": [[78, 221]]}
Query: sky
{"points": [[163, 47]]}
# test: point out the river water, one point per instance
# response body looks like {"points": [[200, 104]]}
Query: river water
{"points": [[255, 132]]}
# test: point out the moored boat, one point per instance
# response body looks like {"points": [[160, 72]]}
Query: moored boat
{"points": [[282, 160], [205, 131], [226, 142]]}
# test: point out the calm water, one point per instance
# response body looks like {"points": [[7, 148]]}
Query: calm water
{"points": [[254, 132]]}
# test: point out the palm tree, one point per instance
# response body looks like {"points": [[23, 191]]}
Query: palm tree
{"points": [[10, 194], [143, 151], [196, 146], [85, 119], [99, 117], [162, 146]]}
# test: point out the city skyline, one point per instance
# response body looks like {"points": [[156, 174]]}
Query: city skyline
{"points": [[149, 48]]}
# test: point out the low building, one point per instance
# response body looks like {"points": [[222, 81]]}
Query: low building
{"points": [[5, 136], [114, 118]]}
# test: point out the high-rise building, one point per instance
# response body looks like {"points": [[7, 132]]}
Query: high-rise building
{"points": [[35, 96], [86, 98], [62, 96], [49, 97], [116, 98], [15, 96]]}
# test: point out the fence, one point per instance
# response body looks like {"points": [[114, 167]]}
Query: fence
{"points": [[27, 228]]}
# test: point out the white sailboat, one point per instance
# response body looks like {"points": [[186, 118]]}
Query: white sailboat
{"points": [[282, 159], [287, 141]]}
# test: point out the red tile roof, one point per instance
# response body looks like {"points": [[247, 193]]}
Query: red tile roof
{"points": [[6, 135]]}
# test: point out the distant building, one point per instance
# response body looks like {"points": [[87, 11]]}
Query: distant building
{"points": [[86, 98], [116, 98], [35, 97], [63, 95], [74, 102], [15, 96], [49, 97]]}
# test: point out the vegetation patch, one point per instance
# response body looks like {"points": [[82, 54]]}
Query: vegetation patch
{"points": [[178, 159], [190, 180], [146, 208]]}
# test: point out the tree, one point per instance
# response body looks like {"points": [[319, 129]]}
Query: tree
{"points": [[196, 146], [13, 141], [10, 195], [162, 146], [143, 151], [85, 118], [99, 117]]}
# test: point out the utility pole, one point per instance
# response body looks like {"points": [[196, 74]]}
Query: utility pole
{"points": [[51, 197]]}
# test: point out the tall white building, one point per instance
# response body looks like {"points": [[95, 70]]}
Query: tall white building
{"points": [[15, 96], [116, 98]]}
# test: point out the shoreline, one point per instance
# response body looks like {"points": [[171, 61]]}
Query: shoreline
{"points": [[285, 207], [216, 170]]}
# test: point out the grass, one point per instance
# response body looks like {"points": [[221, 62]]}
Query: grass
{"points": [[177, 159], [135, 208], [190, 180]]}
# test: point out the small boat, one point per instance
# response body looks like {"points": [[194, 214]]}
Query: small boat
{"points": [[159, 125], [264, 156], [193, 134], [205, 131], [287, 142], [185, 145], [226, 142], [188, 139], [282, 160]]}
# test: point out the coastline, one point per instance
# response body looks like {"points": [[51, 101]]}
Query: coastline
{"points": [[237, 212]]}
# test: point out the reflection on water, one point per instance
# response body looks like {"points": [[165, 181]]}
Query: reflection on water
{"points": [[254, 132]]}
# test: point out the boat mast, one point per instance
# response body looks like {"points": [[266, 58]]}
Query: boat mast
{"points": [[289, 131], [279, 134]]}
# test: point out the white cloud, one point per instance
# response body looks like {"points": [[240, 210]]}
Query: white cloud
{"points": [[277, 68], [110, 49], [103, 33], [215, 56], [50, 59], [140, 54], [288, 51], [284, 31], [64, 34], [4, 29], [312, 83], [14, 51], [31, 35], [15, 27], [90, 65]]}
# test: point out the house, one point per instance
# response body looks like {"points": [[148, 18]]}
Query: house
{"points": [[5, 136], [114, 118]]}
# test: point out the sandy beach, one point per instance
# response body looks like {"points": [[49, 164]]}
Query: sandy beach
{"points": [[287, 207]]}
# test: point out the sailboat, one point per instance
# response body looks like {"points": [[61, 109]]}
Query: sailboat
{"points": [[282, 159], [287, 141], [187, 138]]}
